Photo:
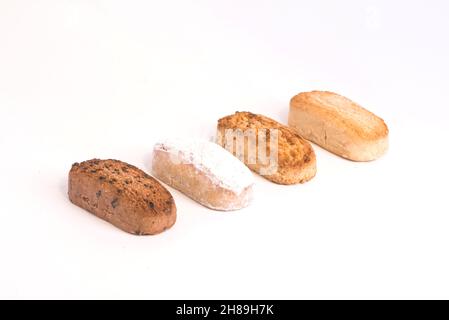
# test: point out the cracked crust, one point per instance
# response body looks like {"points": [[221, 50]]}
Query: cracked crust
{"points": [[296, 161], [338, 125], [123, 195]]}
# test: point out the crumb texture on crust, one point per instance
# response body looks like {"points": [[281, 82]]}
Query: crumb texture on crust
{"points": [[296, 162], [123, 195]]}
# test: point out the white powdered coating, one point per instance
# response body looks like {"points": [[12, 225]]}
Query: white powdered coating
{"points": [[215, 162]]}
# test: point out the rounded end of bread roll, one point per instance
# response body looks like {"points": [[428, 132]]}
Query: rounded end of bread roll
{"points": [[365, 151], [156, 225], [227, 200], [295, 175]]}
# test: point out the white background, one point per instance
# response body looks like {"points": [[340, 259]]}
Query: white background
{"points": [[107, 79]]}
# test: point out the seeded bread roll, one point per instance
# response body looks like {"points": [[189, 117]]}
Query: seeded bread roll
{"points": [[338, 125], [267, 147], [205, 172], [122, 195]]}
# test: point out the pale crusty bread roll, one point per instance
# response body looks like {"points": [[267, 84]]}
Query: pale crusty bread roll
{"points": [[205, 172], [289, 159], [338, 125]]}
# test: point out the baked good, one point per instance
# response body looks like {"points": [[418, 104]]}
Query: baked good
{"points": [[267, 147], [338, 125], [205, 172], [123, 195]]}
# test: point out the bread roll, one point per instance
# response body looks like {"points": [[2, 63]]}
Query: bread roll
{"points": [[338, 125], [205, 172], [122, 195], [267, 147]]}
